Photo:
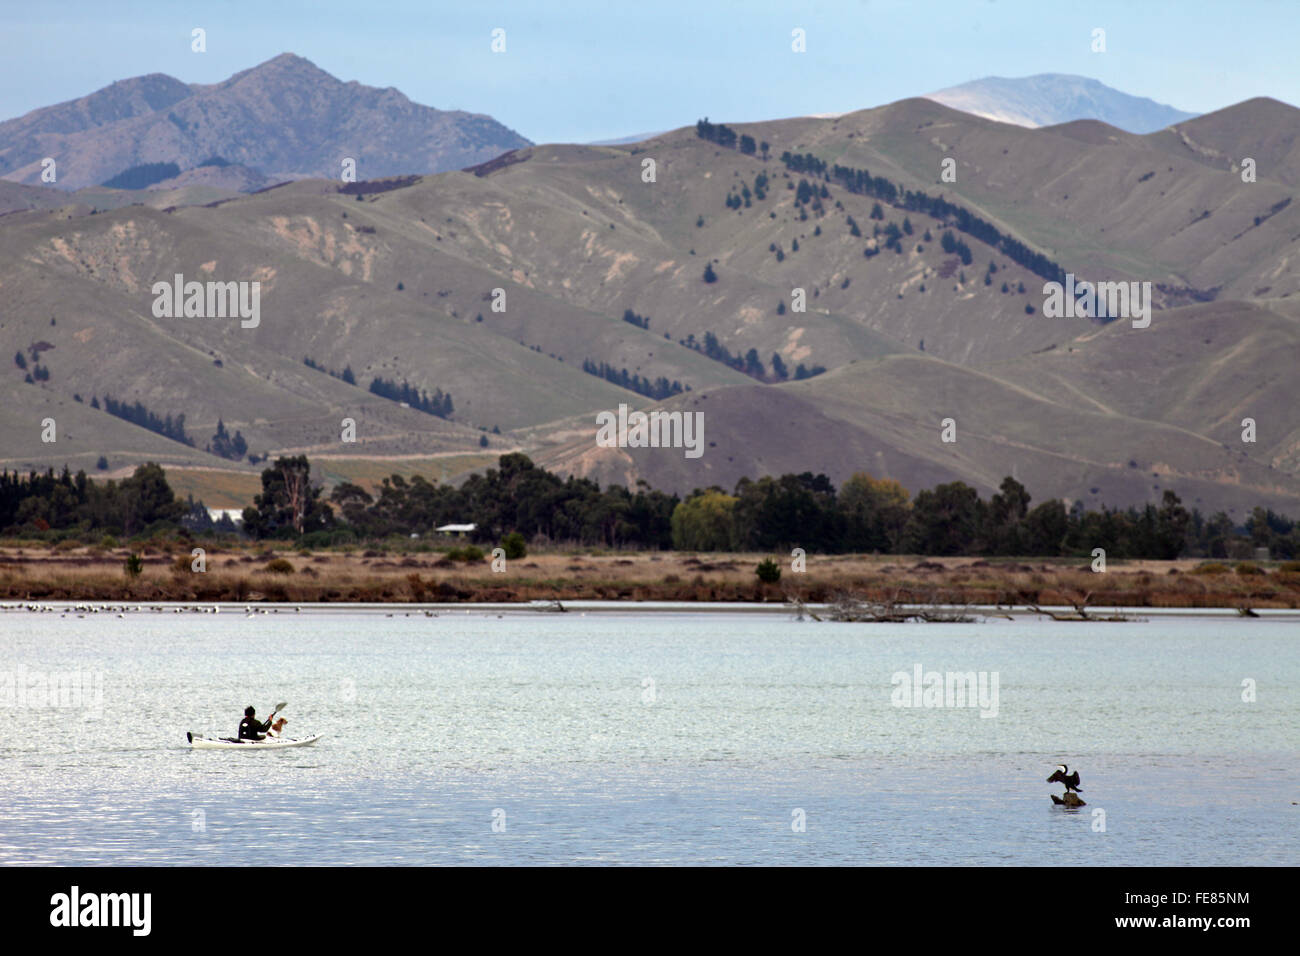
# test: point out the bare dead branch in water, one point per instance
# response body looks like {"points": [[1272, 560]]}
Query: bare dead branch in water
{"points": [[853, 608], [1080, 613], [796, 604]]}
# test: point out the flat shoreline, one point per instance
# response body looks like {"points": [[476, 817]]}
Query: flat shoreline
{"points": [[420, 576], [582, 608]]}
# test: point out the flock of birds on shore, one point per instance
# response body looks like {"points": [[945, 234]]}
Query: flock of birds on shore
{"points": [[121, 610]]}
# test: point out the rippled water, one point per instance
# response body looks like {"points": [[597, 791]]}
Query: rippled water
{"points": [[647, 738]]}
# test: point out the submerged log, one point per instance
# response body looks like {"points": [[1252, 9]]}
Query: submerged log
{"points": [[1069, 800], [1080, 612], [853, 608]]}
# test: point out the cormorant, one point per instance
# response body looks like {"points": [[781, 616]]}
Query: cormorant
{"points": [[1071, 780]]}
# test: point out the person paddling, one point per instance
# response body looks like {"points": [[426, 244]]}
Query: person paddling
{"points": [[250, 728]]}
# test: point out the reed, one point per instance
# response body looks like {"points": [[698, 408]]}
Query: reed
{"points": [[259, 572]]}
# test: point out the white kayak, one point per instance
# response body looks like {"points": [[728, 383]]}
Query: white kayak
{"points": [[231, 743]]}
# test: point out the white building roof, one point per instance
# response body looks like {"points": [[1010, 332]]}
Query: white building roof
{"points": [[454, 528]]}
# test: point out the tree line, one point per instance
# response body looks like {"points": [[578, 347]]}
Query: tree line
{"points": [[43, 502], [774, 514], [439, 403], [861, 182], [657, 389], [345, 376], [750, 363], [137, 414]]}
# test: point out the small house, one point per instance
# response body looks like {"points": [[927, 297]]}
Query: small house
{"points": [[457, 530]]}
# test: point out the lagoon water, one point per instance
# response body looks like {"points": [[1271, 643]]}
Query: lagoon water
{"points": [[644, 738]]}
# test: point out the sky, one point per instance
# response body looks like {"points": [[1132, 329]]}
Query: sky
{"points": [[578, 70]]}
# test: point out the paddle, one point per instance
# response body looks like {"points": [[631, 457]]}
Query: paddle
{"points": [[278, 707]]}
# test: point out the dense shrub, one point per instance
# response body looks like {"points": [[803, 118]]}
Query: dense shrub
{"points": [[513, 545]]}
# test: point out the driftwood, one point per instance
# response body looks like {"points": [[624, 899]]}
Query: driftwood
{"points": [[1080, 612], [852, 608], [795, 604]]}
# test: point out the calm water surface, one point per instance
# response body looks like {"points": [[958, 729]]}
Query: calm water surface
{"points": [[646, 738]]}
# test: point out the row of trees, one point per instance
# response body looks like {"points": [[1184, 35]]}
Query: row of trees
{"points": [[439, 403], [716, 133], [137, 414], [871, 514], [861, 182], [766, 514], [726, 136], [44, 502], [750, 363], [657, 389], [516, 496], [346, 375], [772, 514]]}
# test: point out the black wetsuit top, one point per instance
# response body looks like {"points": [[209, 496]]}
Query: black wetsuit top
{"points": [[250, 728]]}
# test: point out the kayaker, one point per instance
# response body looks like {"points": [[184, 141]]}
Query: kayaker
{"points": [[250, 728]]}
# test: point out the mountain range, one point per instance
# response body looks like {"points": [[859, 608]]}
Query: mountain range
{"points": [[916, 312], [1050, 99], [283, 119]]}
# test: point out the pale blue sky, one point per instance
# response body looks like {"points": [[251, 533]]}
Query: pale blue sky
{"points": [[579, 70]]}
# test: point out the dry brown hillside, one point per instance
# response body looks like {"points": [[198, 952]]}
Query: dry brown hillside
{"points": [[397, 279]]}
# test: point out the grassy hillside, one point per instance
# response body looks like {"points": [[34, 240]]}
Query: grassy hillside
{"points": [[397, 279], [886, 417]]}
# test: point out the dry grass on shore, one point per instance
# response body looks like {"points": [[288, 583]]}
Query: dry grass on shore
{"points": [[257, 573]]}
